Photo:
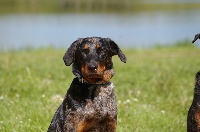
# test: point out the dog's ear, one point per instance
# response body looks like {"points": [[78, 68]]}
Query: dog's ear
{"points": [[197, 36], [115, 50], [69, 56]]}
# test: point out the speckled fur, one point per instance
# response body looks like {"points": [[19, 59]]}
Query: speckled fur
{"points": [[89, 106], [193, 120]]}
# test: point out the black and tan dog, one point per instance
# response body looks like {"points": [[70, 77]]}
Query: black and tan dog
{"points": [[193, 119], [90, 104]]}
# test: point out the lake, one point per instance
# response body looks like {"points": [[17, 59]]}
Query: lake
{"points": [[137, 29]]}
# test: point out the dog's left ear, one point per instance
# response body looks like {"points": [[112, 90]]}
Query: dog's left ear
{"points": [[116, 50], [197, 36], [69, 56]]}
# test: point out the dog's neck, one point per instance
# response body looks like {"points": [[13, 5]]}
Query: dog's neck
{"points": [[83, 81], [87, 90]]}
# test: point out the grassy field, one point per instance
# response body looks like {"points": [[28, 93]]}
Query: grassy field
{"points": [[154, 88]]}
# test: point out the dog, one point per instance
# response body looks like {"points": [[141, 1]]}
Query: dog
{"points": [[90, 103], [193, 119], [197, 36]]}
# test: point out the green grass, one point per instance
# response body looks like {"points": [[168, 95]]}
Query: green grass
{"points": [[154, 89]]}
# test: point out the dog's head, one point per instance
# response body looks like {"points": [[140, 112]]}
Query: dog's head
{"points": [[92, 58]]}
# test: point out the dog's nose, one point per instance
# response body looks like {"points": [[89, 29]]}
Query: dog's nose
{"points": [[92, 66]]}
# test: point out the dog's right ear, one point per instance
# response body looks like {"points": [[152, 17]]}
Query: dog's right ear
{"points": [[69, 56]]}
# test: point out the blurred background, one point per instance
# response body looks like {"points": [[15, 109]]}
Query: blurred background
{"points": [[130, 23]]}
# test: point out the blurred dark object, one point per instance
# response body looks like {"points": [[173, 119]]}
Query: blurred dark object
{"points": [[193, 119], [197, 36]]}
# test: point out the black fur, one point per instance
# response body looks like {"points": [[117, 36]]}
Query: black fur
{"points": [[197, 36], [193, 120]]}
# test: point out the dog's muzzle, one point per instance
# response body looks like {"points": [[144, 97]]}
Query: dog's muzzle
{"points": [[95, 73]]}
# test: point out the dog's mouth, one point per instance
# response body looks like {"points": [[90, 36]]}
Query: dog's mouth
{"points": [[98, 75], [95, 78]]}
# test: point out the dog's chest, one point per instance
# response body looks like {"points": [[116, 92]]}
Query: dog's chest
{"points": [[103, 103], [99, 104], [98, 108]]}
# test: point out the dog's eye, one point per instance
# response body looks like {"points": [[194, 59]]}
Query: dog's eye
{"points": [[85, 51]]}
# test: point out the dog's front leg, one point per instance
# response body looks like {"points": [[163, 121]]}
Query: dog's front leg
{"points": [[57, 121], [112, 124]]}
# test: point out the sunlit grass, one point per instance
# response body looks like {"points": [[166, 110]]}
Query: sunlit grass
{"points": [[154, 88]]}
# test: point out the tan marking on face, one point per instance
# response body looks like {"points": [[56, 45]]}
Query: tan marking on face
{"points": [[98, 46], [86, 46], [107, 75], [95, 76]]}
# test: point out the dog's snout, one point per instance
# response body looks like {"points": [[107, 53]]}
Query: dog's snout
{"points": [[92, 66]]}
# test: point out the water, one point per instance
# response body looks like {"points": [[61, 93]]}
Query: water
{"points": [[140, 29]]}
